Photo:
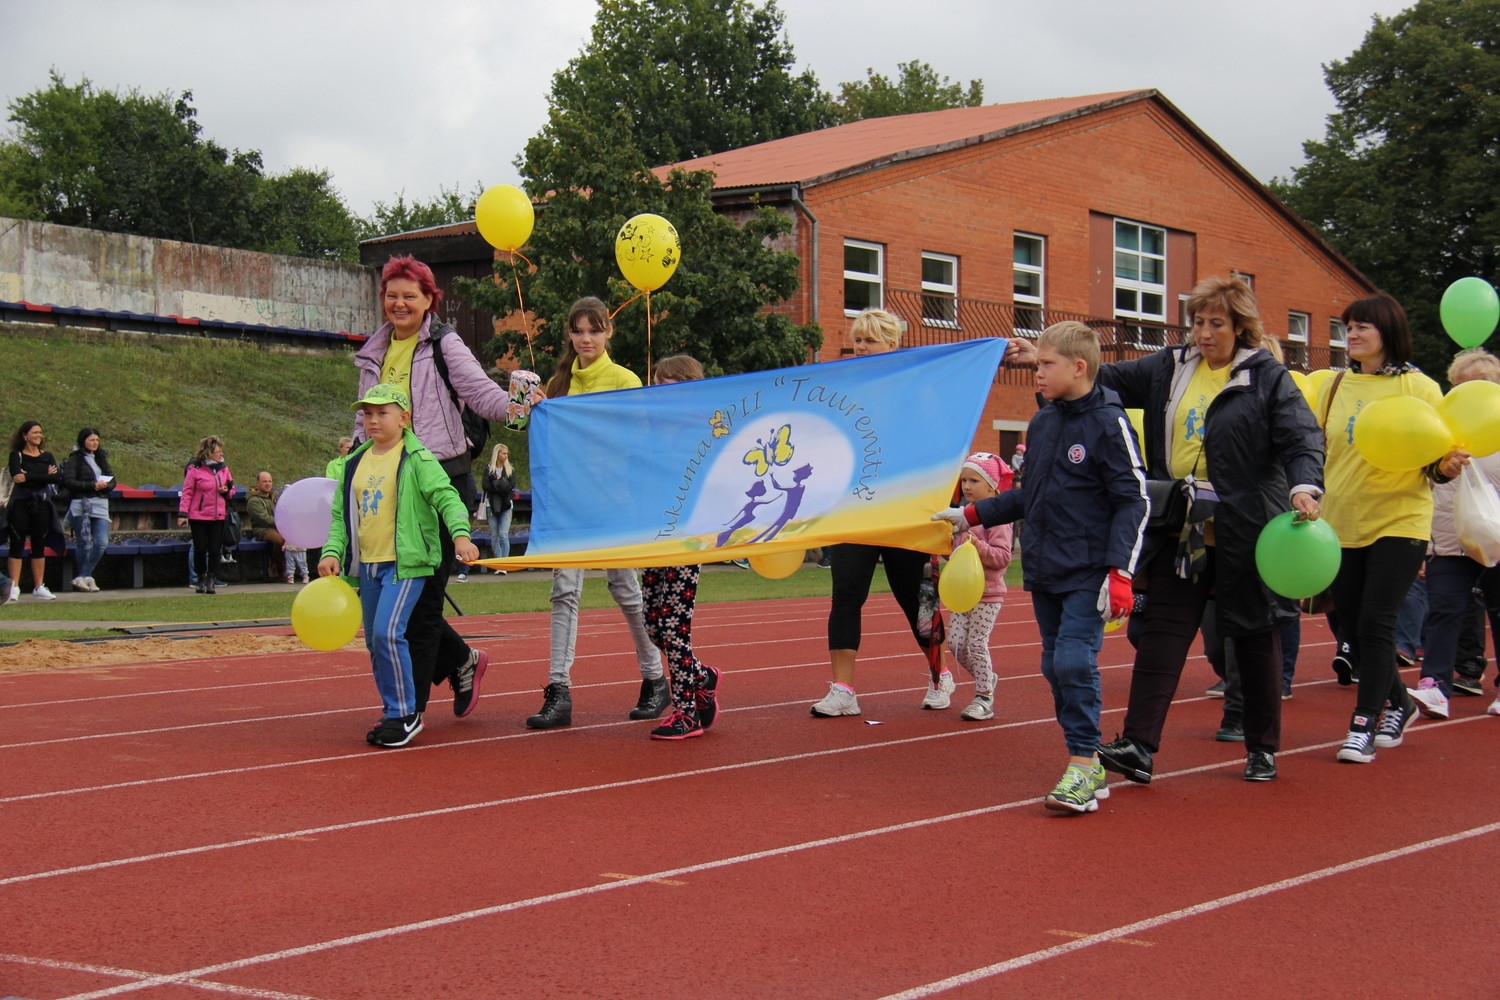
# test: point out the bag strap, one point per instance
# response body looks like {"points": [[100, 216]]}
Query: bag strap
{"points": [[442, 367], [1328, 406]]}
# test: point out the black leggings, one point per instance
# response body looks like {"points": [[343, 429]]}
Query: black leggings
{"points": [[1367, 593], [29, 517], [206, 541], [852, 568]]}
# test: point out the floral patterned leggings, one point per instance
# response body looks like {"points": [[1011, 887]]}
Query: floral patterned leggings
{"points": [[670, 593]]}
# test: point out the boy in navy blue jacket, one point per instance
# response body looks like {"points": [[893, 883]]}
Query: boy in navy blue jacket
{"points": [[1084, 504]]}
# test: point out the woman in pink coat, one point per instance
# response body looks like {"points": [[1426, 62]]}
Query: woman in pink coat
{"points": [[206, 487]]}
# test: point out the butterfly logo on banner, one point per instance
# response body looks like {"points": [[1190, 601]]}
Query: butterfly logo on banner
{"points": [[767, 456], [777, 451]]}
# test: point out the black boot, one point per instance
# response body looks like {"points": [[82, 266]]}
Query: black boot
{"points": [[202, 586], [557, 708], [655, 697]]}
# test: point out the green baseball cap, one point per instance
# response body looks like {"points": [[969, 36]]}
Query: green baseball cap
{"points": [[385, 392]]}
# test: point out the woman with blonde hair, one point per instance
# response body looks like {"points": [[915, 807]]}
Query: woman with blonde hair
{"points": [[499, 495], [207, 485]]}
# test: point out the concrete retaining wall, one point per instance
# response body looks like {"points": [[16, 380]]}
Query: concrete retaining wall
{"points": [[67, 266]]}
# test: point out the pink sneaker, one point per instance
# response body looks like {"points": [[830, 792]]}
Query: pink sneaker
{"points": [[1430, 699]]}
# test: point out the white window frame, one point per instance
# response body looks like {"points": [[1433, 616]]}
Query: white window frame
{"points": [[876, 278], [939, 290], [1297, 332], [1023, 303], [1136, 285], [1338, 334]]}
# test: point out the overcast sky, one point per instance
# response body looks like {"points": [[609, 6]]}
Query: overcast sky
{"points": [[392, 96]]}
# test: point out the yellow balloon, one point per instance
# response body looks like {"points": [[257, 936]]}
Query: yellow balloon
{"points": [[326, 614], [1305, 384], [1401, 433], [505, 216], [1138, 421], [1114, 625], [778, 565], [1315, 382], [962, 582], [1472, 412], [647, 251]]}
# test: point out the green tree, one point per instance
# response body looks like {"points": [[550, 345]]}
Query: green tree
{"points": [[694, 77], [917, 89], [1406, 181], [714, 305], [127, 162], [401, 216]]}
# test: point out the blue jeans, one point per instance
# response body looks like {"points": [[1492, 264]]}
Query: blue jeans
{"points": [[1072, 633], [500, 531], [387, 605], [90, 540], [1450, 592], [1412, 617]]}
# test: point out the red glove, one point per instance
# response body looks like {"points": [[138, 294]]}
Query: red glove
{"points": [[1115, 596]]}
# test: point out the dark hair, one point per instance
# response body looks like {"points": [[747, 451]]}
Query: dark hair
{"points": [[598, 316], [18, 439], [84, 435], [408, 267], [1386, 315]]}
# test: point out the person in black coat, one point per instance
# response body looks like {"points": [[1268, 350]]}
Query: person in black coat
{"points": [[88, 478], [1221, 408]]}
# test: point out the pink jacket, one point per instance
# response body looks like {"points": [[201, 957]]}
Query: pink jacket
{"points": [[994, 547], [201, 499]]}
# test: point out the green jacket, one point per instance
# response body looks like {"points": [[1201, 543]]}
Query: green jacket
{"points": [[423, 493]]}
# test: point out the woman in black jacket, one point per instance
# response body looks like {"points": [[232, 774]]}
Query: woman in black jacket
{"points": [[30, 513], [1221, 408], [499, 495], [88, 478]]}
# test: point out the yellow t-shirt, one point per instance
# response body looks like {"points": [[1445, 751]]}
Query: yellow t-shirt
{"points": [[1364, 503], [1190, 420], [396, 368], [375, 492]]}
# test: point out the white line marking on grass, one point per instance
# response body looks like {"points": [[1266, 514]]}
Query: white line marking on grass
{"points": [[107, 970], [1198, 909]]}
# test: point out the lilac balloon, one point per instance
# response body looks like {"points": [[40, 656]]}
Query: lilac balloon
{"points": [[304, 512]]}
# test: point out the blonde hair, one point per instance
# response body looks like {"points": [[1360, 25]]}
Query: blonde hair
{"points": [[883, 326], [1074, 341], [1474, 363], [1234, 298], [206, 448], [496, 465], [679, 368]]}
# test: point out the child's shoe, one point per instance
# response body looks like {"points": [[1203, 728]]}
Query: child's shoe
{"points": [[980, 709], [679, 726], [393, 733], [938, 691], [840, 701], [1429, 698], [706, 699], [1079, 791]]}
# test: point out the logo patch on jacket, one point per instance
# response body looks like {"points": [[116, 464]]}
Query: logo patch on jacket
{"points": [[1076, 454]]}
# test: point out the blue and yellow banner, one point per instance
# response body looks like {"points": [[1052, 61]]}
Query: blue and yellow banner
{"points": [[857, 450]]}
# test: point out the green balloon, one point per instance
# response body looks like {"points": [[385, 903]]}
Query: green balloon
{"points": [[1297, 559], [1470, 311]]}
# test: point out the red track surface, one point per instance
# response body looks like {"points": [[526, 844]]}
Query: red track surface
{"points": [[196, 828]]}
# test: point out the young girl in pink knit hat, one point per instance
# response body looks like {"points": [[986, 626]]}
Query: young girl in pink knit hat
{"points": [[983, 475]]}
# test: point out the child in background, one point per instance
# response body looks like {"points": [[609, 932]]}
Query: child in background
{"points": [[385, 518], [296, 565], [670, 594], [983, 476], [1084, 503]]}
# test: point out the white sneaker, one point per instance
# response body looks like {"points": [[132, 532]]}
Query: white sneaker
{"points": [[80, 584], [938, 692], [93, 587], [840, 701], [462, 578], [1430, 699], [1494, 708], [15, 596], [43, 594], [980, 709]]}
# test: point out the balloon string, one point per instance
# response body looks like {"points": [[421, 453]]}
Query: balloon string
{"points": [[627, 302], [525, 323], [648, 336]]}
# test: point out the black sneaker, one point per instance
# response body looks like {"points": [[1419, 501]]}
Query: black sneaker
{"points": [[706, 699], [1393, 722], [1468, 685], [466, 680], [557, 708], [678, 727], [656, 695], [1286, 689], [392, 733], [1343, 666], [1260, 766], [1230, 732], [1126, 756]]}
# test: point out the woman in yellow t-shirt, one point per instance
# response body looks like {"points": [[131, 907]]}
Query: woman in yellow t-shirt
{"points": [[1383, 519]]}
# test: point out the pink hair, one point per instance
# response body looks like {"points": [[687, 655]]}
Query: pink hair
{"points": [[408, 267]]}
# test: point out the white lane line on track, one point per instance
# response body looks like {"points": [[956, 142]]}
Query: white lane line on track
{"points": [[1197, 909], [636, 782], [107, 970], [989, 971]]}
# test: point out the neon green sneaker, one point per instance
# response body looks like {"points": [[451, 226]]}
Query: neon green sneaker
{"points": [[1079, 791]]}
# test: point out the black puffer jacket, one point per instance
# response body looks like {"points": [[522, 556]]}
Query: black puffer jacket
{"points": [[1261, 440], [78, 478]]}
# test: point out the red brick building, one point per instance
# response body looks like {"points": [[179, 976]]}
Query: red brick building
{"points": [[1001, 219]]}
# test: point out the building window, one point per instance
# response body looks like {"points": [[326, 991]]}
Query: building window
{"points": [[1297, 325], [939, 290], [1140, 272], [1248, 279], [864, 276], [1029, 267], [1338, 344]]}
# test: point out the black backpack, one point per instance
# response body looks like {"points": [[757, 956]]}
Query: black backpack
{"points": [[476, 428]]}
